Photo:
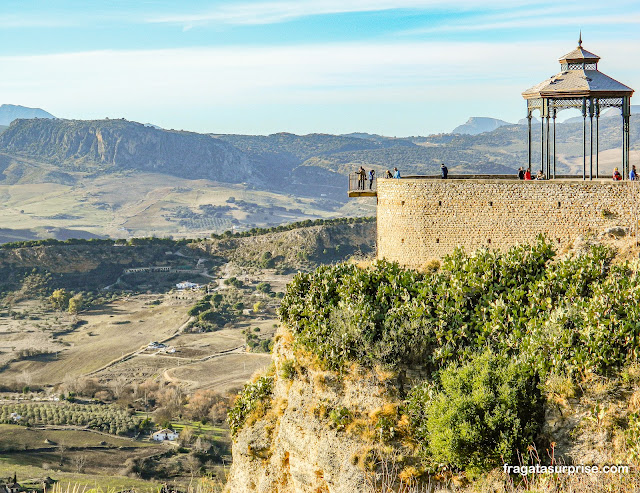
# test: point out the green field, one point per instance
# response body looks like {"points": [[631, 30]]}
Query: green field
{"points": [[99, 456]]}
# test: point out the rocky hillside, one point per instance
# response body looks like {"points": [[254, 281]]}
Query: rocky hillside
{"points": [[301, 164], [478, 124], [388, 379], [94, 264], [300, 248], [117, 144]]}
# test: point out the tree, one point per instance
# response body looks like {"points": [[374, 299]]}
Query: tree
{"points": [[263, 287], [186, 436], [60, 299], [75, 304], [79, 461]]}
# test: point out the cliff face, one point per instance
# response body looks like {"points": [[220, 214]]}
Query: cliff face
{"points": [[120, 144], [298, 247], [298, 444]]}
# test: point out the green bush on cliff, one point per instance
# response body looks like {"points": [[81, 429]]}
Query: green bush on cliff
{"points": [[579, 312], [481, 414], [252, 396], [486, 327]]}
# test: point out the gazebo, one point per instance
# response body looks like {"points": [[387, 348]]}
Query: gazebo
{"points": [[579, 85]]}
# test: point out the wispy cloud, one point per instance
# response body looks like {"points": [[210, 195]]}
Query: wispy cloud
{"points": [[15, 21], [529, 19], [249, 13], [271, 88]]}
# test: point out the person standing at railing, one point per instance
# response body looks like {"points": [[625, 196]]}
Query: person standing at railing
{"points": [[444, 171], [396, 173], [372, 175], [633, 174], [362, 178]]}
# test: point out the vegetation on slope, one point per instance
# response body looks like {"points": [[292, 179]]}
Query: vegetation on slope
{"points": [[580, 312], [483, 330]]}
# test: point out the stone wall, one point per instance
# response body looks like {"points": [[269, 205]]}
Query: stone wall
{"points": [[420, 219]]}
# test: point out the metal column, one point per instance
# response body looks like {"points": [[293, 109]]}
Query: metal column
{"points": [[584, 138], [547, 170], [529, 141], [626, 113], [597, 138], [542, 136], [554, 142], [591, 139]]}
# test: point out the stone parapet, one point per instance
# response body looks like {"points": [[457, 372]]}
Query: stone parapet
{"points": [[421, 219]]}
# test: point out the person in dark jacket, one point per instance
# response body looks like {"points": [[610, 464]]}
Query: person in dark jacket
{"points": [[521, 173], [372, 176], [444, 171]]}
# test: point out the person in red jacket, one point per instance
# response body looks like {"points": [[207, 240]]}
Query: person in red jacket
{"points": [[616, 174], [527, 174]]}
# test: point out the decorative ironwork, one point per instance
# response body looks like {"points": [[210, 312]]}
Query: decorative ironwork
{"points": [[534, 104], [578, 66], [610, 102], [560, 104]]}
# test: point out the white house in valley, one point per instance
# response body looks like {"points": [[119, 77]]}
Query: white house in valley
{"points": [[165, 434]]}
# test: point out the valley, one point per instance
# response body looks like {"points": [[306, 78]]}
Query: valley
{"points": [[141, 347]]}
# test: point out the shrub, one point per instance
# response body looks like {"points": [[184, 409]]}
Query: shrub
{"points": [[288, 370], [253, 394], [482, 413], [340, 418]]}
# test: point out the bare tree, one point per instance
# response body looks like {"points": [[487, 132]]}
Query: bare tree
{"points": [[62, 448], [79, 462], [26, 378], [118, 385]]}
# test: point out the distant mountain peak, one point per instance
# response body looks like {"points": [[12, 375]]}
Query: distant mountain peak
{"points": [[479, 124], [10, 112]]}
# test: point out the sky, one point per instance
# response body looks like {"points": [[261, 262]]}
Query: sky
{"points": [[392, 67]]}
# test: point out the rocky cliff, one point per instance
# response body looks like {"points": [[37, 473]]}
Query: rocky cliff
{"points": [[296, 442], [120, 144]]}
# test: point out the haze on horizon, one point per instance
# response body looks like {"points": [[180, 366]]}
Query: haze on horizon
{"points": [[402, 67]]}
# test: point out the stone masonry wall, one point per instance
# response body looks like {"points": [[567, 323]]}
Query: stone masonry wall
{"points": [[422, 219]]}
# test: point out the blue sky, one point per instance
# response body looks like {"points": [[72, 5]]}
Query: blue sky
{"points": [[401, 67]]}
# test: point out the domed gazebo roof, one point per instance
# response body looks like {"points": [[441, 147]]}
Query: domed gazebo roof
{"points": [[579, 78]]}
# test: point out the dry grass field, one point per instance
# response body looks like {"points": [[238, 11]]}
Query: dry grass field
{"points": [[607, 161], [127, 204], [223, 373], [114, 330]]}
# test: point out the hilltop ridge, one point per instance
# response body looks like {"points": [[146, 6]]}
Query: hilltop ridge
{"points": [[11, 112]]}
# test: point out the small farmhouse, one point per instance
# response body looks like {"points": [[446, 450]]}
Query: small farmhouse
{"points": [[187, 285], [165, 434]]}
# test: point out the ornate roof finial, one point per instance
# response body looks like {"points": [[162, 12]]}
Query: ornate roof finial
{"points": [[580, 40]]}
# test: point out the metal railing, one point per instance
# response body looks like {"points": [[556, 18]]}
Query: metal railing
{"points": [[358, 182]]}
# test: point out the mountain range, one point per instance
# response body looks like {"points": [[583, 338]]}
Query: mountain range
{"points": [[479, 124], [10, 112], [281, 162]]}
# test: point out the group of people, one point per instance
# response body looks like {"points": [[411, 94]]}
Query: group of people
{"points": [[525, 174], [362, 178], [633, 174], [371, 175]]}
